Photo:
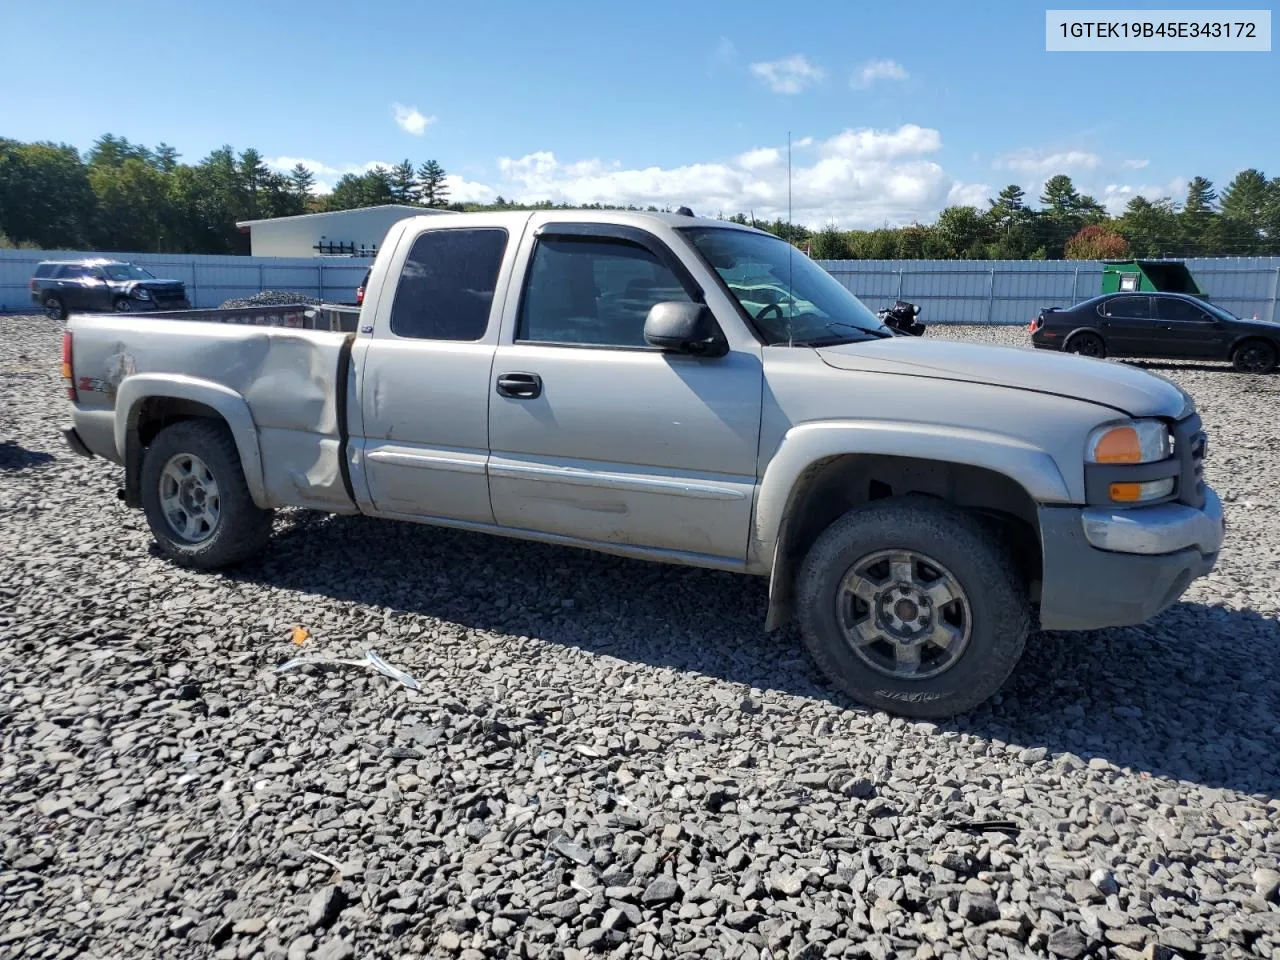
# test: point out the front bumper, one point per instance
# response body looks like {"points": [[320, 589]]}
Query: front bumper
{"points": [[1115, 568]]}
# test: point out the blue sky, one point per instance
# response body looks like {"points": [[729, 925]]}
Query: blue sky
{"points": [[896, 110]]}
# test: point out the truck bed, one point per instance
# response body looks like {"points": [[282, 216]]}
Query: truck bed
{"points": [[281, 388]]}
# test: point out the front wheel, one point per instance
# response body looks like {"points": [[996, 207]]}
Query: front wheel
{"points": [[911, 606], [123, 305], [196, 500], [1254, 356], [1087, 345]]}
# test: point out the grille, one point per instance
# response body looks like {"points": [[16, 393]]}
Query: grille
{"points": [[1190, 444]]}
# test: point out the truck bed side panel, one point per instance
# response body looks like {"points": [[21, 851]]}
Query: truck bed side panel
{"points": [[289, 379]]}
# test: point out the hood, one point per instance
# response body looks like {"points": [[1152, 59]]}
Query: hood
{"points": [[1128, 389]]}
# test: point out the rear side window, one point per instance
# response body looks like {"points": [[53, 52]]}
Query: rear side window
{"points": [[1134, 308], [44, 270], [447, 285], [70, 271]]}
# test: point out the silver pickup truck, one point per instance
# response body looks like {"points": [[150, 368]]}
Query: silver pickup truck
{"points": [[682, 390]]}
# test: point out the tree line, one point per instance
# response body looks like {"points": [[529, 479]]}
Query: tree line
{"points": [[129, 197], [1243, 220]]}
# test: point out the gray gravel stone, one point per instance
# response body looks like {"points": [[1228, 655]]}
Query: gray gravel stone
{"points": [[324, 907], [638, 773]]}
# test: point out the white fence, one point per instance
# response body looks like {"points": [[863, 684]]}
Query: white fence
{"points": [[210, 279], [948, 291]]}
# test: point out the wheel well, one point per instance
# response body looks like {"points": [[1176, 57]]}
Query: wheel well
{"points": [[150, 417], [1083, 332], [1252, 338], [832, 487]]}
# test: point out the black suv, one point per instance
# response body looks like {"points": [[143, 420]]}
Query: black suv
{"points": [[95, 286]]}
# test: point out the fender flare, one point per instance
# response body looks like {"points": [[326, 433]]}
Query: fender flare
{"points": [[805, 446], [231, 406]]}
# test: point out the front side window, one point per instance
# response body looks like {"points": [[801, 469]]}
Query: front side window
{"points": [[593, 291], [127, 271], [446, 287], [788, 297], [1131, 308], [1170, 308]]}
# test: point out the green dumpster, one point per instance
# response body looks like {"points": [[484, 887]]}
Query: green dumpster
{"points": [[1152, 276]]}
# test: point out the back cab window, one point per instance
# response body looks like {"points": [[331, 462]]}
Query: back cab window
{"points": [[446, 288]]}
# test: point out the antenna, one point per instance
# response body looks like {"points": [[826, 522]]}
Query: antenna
{"points": [[791, 294]]}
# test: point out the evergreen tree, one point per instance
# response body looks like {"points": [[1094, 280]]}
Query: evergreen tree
{"points": [[302, 182], [434, 191], [404, 185]]}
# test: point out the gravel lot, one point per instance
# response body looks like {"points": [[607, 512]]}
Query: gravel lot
{"points": [[606, 758]]}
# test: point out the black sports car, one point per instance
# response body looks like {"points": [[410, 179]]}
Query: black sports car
{"points": [[1172, 325]]}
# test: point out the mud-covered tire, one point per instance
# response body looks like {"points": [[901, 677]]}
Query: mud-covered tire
{"points": [[1254, 356], [1087, 345], [241, 529], [999, 611]]}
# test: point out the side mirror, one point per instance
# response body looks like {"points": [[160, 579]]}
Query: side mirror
{"points": [[684, 328]]}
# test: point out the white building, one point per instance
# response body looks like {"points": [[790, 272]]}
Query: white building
{"points": [[351, 232]]}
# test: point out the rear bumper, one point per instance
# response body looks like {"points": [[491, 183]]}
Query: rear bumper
{"points": [[77, 445], [1042, 342], [1114, 568]]}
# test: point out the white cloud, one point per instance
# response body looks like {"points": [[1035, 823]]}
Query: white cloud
{"points": [[876, 70], [858, 178], [788, 75], [760, 158], [462, 190], [1136, 164], [1115, 197], [968, 195], [410, 120], [1031, 161]]}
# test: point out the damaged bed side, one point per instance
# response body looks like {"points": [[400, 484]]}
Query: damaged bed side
{"points": [[282, 391]]}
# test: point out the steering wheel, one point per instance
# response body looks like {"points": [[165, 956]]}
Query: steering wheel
{"points": [[773, 306]]}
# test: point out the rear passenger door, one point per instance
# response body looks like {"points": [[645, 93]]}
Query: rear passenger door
{"points": [[1189, 330], [1129, 327], [70, 287], [423, 380]]}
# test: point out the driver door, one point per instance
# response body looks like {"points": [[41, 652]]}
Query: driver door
{"points": [[596, 436]]}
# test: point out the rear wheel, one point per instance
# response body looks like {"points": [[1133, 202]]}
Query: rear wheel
{"points": [[123, 305], [1254, 356], [196, 500], [53, 308], [1087, 345], [910, 605]]}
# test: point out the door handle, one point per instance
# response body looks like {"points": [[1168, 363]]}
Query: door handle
{"points": [[519, 386]]}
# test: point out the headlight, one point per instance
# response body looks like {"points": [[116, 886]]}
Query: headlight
{"points": [[1131, 441], [142, 293]]}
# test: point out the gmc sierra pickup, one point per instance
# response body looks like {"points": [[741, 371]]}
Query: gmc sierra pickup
{"points": [[684, 390]]}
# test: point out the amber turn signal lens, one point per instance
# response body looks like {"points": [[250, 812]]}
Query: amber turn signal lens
{"points": [[1126, 492]]}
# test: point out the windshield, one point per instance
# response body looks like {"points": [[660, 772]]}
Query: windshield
{"points": [[127, 271], [790, 298]]}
